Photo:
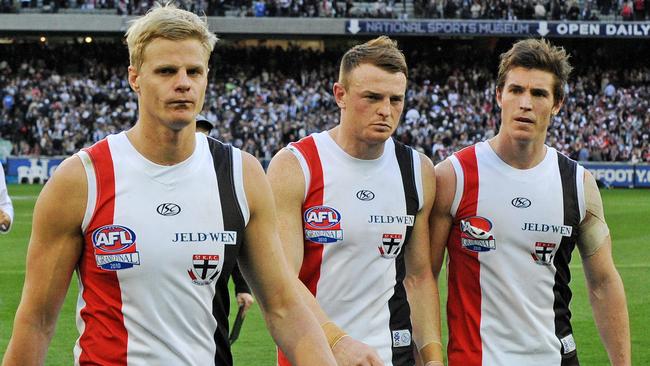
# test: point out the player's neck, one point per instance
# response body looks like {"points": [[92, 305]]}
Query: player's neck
{"points": [[162, 145], [518, 154], [355, 147]]}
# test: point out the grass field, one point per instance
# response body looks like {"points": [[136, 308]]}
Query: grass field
{"points": [[628, 215]]}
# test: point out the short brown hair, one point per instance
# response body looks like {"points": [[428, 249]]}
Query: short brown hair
{"points": [[381, 52], [168, 22], [537, 54]]}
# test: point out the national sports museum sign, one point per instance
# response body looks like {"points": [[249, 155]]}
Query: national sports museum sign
{"points": [[499, 28]]}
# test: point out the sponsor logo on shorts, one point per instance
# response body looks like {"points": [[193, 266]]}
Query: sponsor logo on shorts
{"points": [[115, 247], [323, 225], [568, 344], [476, 234], [205, 268], [390, 246], [401, 338], [543, 253]]}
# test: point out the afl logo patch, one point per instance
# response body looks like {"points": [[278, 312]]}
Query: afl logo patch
{"points": [[365, 195], [322, 217], [113, 238], [520, 202], [115, 247], [323, 225], [168, 209], [476, 234]]}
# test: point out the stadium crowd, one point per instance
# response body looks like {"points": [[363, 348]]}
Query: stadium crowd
{"points": [[638, 10], [58, 102]]}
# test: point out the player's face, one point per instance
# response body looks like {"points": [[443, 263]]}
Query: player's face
{"points": [[171, 82], [527, 103], [372, 103]]}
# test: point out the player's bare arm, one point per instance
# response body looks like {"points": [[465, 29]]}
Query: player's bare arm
{"points": [[440, 220], [288, 185], [290, 322], [421, 289], [606, 292], [54, 249]]}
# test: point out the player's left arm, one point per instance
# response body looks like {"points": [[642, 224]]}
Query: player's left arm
{"points": [[421, 289], [293, 327], [606, 292]]}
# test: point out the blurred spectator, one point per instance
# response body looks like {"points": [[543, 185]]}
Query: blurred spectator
{"points": [[639, 10], [626, 11]]}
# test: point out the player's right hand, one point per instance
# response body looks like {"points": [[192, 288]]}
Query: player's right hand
{"points": [[350, 352], [5, 220]]}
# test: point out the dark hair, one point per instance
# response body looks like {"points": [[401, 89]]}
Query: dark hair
{"points": [[537, 54], [381, 52]]}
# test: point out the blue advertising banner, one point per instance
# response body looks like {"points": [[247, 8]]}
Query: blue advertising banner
{"points": [[549, 29], [31, 170], [618, 174], [642, 175]]}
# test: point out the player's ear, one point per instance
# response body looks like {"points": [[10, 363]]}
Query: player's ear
{"points": [[133, 79], [499, 97], [557, 106], [339, 92]]}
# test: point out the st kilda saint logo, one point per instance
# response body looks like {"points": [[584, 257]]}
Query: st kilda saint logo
{"points": [[205, 268], [390, 246], [544, 253]]}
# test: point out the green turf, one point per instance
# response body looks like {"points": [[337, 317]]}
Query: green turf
{"points": [[628, 215]]}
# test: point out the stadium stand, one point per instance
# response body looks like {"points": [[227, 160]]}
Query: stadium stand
{"points": [[637, 10], [57, 98]]}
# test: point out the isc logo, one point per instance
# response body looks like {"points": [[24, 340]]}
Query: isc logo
{"points": [[322, 217], [113, 238]]}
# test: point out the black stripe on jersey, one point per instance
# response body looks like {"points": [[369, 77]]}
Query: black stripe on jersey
{"points": [[561, 290], [398, 306], [233, 220]]}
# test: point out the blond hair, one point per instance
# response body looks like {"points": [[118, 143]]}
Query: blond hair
{"points": [[381, 52], [168, 22]]}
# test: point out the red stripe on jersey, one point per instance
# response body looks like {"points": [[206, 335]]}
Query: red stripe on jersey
{"points": [[464, 299], [313, 255], [313, 252], [104, 340]]}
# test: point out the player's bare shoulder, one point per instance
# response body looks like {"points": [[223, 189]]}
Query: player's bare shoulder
{"points": [[67, 187], [286, 176], [445, 185]]}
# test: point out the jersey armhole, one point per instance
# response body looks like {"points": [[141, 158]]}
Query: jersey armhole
{"points": [[580, 187], [91, 179], [238, 183], [304, 166], [417, 176], [460, 179]]}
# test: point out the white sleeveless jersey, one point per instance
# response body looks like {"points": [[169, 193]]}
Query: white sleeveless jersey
{"points": [[357, 217], [509, 250], [160, 242]]}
